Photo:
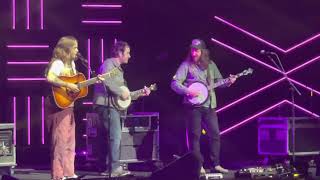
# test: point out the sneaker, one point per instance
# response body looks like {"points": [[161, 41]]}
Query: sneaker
{"points": [[105, 173], [221, 169], [120, 172], [71, 177], [202, 172]]}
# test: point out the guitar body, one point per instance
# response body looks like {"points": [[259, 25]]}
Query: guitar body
{"points": [[120, 104], [203, 93], [63, 97]]}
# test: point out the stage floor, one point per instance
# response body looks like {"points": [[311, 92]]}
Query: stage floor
{"points": [[33, 174]]}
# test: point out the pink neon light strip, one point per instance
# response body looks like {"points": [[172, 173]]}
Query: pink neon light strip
{"points": [[27, 46], [101, 5], [305, 86], [42, 119], [41, 14], [87, 103], [29, 120], [304, 64], [28, 14], [258, 61], [26, 79], [303, 109], [267, 42], [26, 62], [249, 95], [13, 14], [264, 111], [89, 57], [102, 51], [245, 55], [100, 22], [14, 121]]}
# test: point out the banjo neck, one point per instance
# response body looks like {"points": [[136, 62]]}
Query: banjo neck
{"points": [[224, 81]]}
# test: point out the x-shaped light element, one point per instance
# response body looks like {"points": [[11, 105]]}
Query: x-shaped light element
{"points": [[265, 111], [268, 66], [265, 41]]}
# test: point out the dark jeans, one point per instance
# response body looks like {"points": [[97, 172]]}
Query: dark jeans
{"points": [[115, 133], [201, 115]]}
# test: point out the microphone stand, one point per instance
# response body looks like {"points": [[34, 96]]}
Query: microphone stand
{"points": [[293, 89]]}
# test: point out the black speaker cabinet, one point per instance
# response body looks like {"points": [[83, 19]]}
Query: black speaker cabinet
{"points": [[139, 142], [139, 146]]}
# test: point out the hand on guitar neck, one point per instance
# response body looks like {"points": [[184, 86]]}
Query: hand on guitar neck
{"points": [[146, 91], [232, 78]]}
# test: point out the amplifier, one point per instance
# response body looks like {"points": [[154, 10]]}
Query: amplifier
{"points": [[139, 141], [275, 135], [7, 148]]}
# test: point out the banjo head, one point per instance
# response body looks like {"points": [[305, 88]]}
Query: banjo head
{"points": [[203, 93], [123, 104]]}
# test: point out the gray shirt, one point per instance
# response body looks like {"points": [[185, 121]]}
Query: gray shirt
{"points": [[112, 83], [188, 72]]}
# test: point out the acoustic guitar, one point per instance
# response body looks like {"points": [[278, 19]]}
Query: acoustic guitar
{"points": [[64, 97]]}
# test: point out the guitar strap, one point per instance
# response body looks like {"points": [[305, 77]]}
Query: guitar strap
{"points": [[209, 77]]}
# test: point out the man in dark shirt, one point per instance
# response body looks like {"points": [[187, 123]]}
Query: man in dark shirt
{"points": [[199, 68], [112, 87]]}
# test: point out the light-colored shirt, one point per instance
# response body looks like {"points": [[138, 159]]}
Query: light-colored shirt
{"points": [[188, 73], [112, 84], [59, 69]]}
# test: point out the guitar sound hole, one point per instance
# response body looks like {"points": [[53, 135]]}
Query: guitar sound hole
{"points": [[72, 94]]}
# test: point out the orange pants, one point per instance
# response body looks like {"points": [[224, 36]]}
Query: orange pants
{"points": [[62, 143]]}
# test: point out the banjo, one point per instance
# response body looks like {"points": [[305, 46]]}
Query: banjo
{"points": [[204, 90], [120, 104]]}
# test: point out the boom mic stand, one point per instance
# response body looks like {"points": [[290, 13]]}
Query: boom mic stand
{"points": [[293, 89]]}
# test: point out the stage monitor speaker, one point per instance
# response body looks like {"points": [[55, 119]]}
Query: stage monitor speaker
{"points": [[186, 167], [275, 136]]}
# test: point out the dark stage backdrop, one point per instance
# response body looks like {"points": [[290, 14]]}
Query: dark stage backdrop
{"points": [[159, 32]]}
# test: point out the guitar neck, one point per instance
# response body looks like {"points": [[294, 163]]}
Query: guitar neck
{"points": [[87, 82], [136, 93], [224, 81]]}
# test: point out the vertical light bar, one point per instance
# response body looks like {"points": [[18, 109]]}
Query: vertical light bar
{"points": [[187, 139], [29, 119], [102, 51], [14, 121], [28, 14], [13, 14], [42, 119], [41, 14], [89, 58]]}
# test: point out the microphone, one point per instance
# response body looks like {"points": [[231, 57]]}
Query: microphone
{"points": [[81, 58], [266, 52]]}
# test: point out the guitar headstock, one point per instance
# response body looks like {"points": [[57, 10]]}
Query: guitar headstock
{"points": [[153, 87], [247, 71]]}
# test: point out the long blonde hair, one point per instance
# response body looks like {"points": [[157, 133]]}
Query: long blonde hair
{"points": [[62, 50]]}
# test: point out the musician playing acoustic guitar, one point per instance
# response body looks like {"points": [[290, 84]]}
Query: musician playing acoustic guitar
{"points": [[199, 68], [112, 87], [61, 121]]}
